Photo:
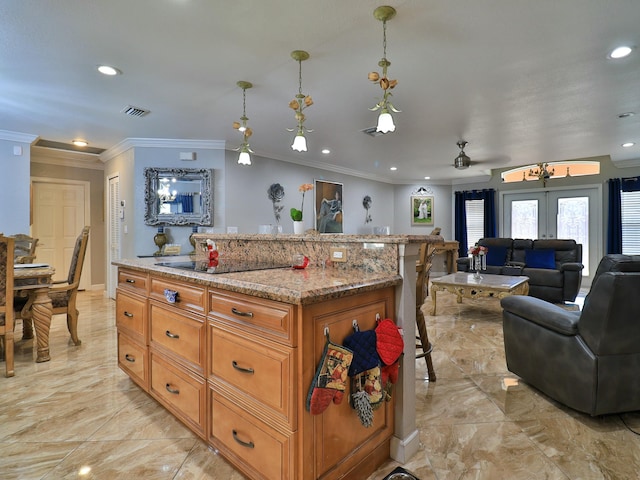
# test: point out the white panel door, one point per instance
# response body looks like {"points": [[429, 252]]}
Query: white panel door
{"points": [[58, 218], [567, 213]]}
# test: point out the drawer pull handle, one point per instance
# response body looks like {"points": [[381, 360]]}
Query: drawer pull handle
{"points": [[171, 335], [242, 442], [170, 295], [242, 369], [130, 280], [175, 391], [241, 314], [128, 314], [129, 358]]}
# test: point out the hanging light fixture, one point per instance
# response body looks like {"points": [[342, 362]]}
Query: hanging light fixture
{"points": [[462, 161], [244, 158], [385, 120], [299, 104], [543, 172]]}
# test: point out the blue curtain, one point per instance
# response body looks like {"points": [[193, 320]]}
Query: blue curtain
{"points": [[614, 225], [490, 224]]}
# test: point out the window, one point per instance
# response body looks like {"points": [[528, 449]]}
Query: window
{"points": [[630, 213], [475, 221]]}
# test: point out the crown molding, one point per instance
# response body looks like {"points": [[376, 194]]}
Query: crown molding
{"points": [[17, 137], [129, 143], [632, 162]]}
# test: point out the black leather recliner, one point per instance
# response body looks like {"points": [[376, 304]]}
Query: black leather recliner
{"points": [[587, 360]]}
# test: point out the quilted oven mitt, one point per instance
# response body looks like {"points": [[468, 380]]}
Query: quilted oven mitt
{"points": [[367, 394], [365, 355], [329, 382]]}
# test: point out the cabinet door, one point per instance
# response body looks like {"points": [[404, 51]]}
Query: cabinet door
{"points": [[340, 441]]}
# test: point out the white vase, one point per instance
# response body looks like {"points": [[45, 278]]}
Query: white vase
{"points": [[298, 227]]}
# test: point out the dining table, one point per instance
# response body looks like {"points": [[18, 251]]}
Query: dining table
{"points": [[34, 280]]}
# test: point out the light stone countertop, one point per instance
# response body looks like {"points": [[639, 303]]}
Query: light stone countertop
{"points": [[295, 286]]}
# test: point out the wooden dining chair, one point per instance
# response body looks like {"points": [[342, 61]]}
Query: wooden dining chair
{"points": [[25, 248], [63, 292], [423, 268], [6, 302]]}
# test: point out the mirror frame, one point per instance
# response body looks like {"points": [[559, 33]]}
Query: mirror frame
{"points": [[152, 215]]}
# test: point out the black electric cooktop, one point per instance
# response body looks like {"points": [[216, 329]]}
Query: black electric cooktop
{"points": [[222, 267]]}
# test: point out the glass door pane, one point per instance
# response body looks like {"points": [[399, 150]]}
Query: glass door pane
{"points": [[524, 219]]}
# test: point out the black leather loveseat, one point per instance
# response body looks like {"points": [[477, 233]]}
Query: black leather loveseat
{"points": [[554, 267]]}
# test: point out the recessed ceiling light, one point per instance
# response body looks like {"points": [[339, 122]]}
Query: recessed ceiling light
{"points": [[628, 144], [620, 52], [80, 143], [393, 169], [427, 178], [108, 70], [626, 114], [326, 151]]}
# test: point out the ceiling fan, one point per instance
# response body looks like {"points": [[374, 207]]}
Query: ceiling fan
{"points": [[462, 161]]}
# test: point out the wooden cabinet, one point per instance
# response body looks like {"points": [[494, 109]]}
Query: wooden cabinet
{"points": [[132, 323], [236, 369]]}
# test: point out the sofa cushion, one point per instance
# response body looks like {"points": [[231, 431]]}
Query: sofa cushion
{"points": [[497, 255], [544, 277], [540, 259]]}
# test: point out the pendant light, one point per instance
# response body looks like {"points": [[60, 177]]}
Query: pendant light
{"points": [[385, 120], [299, 104], [244, 158]]}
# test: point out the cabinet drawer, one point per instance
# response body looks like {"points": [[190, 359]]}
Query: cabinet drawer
{"points": [[264, 373], [180, 333], [131, 314], [266, 453], [182, 392], [188, 297], [134, 281], [133, 359], [265, 318]]}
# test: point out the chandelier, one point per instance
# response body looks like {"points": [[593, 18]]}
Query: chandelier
{"points": [[244, 158], [385, 120], [299, 104], [543, 172]]}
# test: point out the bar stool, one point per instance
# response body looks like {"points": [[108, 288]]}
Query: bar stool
{"points": [[423, 267]]}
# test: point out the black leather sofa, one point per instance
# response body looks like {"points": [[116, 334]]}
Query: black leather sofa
{"points": [[587, 360], [554, 267]]}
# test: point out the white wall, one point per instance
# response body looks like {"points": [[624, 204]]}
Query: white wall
{"points": [[15, 182]]}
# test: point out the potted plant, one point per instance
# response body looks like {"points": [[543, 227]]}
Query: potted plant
{"points": [[296, 215]]}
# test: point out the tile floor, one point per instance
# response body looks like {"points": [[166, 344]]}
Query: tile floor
{"points": [[79, 416]]}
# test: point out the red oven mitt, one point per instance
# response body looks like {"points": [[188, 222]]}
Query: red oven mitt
{"points": [[329, 382]]}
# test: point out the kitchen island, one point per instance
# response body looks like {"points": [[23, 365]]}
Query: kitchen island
{"points": [[234, 355]]}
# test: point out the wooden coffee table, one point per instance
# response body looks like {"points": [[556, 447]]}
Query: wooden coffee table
{"points": [[465, 285]]}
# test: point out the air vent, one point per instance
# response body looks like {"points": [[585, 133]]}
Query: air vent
{"points": [[371, 131], [68, 146], [134, 111]]}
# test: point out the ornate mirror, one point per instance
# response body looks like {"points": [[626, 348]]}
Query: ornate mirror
{"points": [[178, 196]]}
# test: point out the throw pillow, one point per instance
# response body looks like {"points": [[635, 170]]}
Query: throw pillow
{"points": [[540, 258], [497, 256]]}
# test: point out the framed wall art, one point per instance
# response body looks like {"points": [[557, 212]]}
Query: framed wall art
{"points": [[329, 217], [421, 210]]}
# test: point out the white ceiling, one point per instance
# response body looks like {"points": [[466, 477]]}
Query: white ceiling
{"points": [[522, 81]]}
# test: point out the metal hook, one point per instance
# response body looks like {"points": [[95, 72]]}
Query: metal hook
{"points": [[354, 323], [377, 317], [326, 331]]}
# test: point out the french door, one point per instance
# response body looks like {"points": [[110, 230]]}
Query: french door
{"points": [[558, 213]]}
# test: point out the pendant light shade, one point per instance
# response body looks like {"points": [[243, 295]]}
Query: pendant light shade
{"points": [[244, 158], [299, 104], [299, 143]]}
